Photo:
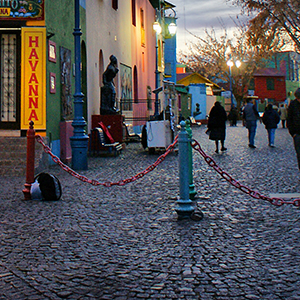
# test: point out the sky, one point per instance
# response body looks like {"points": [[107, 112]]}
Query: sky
{"points": [[196, 15]]}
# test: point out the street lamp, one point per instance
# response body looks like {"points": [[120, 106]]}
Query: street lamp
{"points": [[157, 28], [79, 141], [230, 64], [172, 28]]}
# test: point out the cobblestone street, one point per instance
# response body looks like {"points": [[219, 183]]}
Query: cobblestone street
{"points": [[125, 242]]}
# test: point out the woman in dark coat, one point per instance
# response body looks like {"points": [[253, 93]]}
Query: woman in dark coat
{"points": [[217, 125], [271, 118]]}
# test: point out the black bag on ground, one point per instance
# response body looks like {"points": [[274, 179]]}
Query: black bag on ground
{"points": [[50, 186]]}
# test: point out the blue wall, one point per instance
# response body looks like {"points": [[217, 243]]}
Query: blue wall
{"points": [[170, 53], [198, 92]]}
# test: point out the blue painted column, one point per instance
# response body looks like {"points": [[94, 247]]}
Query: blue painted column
{"points": [[79, 141], [157, 77], [184, 208]]}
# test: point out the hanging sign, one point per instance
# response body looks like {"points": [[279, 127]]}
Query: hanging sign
{"points": [[33, 77], [21, 10]]}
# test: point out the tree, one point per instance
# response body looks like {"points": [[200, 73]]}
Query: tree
{"points": [[209, 56], [273, 21]]}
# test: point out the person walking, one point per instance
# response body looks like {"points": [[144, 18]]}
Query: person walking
{"points": [[233, 115], [271, 118], [250, 115], [217, 125], [283, 114], [293, 123]]}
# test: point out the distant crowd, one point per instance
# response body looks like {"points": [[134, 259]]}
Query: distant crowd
{"points": [[271, 117]]}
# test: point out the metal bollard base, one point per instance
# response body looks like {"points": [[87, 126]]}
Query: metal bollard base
{"points": [[79, 152], [184, 209]]}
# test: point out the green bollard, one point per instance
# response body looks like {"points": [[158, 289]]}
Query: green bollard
{"points": [[192, 191], [184, 207]]}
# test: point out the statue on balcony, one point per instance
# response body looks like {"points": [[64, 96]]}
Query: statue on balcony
{"points": [[108, 91]]}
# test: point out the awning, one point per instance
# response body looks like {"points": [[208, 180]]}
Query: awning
{"points": [[166, 4]]}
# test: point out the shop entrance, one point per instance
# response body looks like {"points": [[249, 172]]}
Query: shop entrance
{"points": [[10, 42]]}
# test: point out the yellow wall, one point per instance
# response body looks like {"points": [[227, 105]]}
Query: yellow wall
{"points": [[33, 77]]}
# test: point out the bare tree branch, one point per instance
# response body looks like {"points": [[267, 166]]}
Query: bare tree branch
{"points": [[277, 18]]}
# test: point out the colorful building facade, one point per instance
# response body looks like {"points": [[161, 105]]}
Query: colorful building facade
{"points": [[203, 93], [270, 84], [125, 31], [278, 81], [37, 64], [37, 57]]}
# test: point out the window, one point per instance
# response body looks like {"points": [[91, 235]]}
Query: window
{"points": [[133, 12], [142, 28], [168, 69], [142, 18], [101, 67], [270, 84], [115, 4], [52, 51], [135, 86]]}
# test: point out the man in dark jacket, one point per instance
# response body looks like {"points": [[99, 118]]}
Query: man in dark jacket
{"points": [[293, 122], [250, 115]]}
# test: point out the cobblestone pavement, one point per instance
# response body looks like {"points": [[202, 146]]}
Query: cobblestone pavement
{"points": [[126, 242]]}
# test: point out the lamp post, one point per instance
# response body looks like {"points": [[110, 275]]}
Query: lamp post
{"points": [[157, 28], [230, 64], [79, 141]]}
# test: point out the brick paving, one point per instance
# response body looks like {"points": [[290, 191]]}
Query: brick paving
{"points": [[126, 242]]}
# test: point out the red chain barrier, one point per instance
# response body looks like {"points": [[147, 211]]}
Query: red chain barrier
{"points": [[106, 184], [235, 183]]}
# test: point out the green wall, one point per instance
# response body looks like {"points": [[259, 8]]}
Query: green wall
{"points": [[291, 87], [60, 21]]}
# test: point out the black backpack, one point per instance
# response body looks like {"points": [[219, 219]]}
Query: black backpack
{"points": [[50, 186]]}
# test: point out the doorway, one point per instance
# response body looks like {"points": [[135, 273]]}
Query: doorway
{"points": [[10, 50]]}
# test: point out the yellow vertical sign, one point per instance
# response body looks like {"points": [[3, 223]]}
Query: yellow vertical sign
{"points": [[33, 77]]}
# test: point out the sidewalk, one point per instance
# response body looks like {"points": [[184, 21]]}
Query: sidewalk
{"points": [[126, 243]]}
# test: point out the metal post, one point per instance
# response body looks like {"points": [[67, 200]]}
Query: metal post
{"points": [[29, 161], [230, 81], [192, 191], [156, 104], [184, 208], [79, 141]]}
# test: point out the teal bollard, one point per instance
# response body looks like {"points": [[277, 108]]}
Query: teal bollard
{"points": [[192, 191], [184, 208]]}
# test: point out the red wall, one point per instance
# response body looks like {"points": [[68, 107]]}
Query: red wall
{"points": [[278, 94]]}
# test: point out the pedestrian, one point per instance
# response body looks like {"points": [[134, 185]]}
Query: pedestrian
{"points": [[233, 115], [293, 123], [283, 114], [250, 115], [217, 125], [271, 118]]}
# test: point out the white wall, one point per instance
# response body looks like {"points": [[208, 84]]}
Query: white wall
{"points": [[112, 31], [109, 30], [210, 101]]}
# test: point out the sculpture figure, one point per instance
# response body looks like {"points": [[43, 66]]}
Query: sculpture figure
{"points": [[108, 91]]}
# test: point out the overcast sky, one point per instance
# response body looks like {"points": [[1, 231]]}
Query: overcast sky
{"points": [[196, 15]]}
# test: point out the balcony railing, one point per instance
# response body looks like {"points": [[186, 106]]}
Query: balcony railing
{"points": [[137, 112]]}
